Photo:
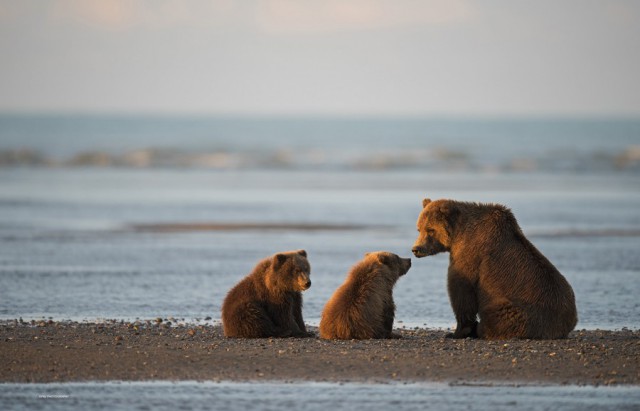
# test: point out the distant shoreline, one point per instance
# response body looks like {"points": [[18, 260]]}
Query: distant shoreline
{"points": [[143, 351]]}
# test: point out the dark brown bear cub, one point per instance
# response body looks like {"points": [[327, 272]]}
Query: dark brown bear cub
{"points": [[495, 273], [268, 302], [362, 307]]}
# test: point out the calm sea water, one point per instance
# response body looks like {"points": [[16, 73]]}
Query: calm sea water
{"points": [[72, 188], [310, 397], [492, 145], [68, 250]]}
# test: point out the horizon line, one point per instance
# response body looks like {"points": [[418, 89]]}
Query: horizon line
{"points": [[249, 115]]}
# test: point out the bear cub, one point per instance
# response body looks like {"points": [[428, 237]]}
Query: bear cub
{"points": [[268, 302], [362, 307]]}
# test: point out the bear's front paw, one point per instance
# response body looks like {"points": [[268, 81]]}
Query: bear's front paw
{"points": [[468, 331], [302, 334], [395, 336]]}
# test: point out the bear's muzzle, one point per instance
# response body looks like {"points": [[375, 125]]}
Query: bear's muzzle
{"points": [[419, 251], [304, 282]]}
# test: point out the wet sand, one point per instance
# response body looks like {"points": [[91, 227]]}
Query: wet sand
{"points": [[48, 351]]}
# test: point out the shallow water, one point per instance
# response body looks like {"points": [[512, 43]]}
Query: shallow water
{"points": [[68, 251], [310, 397]]}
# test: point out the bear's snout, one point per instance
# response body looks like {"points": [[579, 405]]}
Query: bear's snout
{"points": [[406, 265], [304, 282], [419, 251]]}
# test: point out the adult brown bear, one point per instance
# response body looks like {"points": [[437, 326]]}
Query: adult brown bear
{"points": [[362, 307], [495, 273], [268, 302]]}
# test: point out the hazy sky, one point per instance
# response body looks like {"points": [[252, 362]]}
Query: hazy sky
{"points": [[364, 57]]}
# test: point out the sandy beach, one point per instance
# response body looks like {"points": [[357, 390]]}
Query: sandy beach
{"points": [[48, 351]]}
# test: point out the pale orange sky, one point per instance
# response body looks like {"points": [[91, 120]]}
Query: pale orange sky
{"points": [[297, 57]]}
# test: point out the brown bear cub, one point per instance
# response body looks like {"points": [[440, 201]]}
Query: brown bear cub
{"points": [[362, 307], [268, 302], [495, 273]]}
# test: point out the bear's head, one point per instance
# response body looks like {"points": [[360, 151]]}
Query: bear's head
{"points": [[289, 271], [394, 265], [434, 225]]}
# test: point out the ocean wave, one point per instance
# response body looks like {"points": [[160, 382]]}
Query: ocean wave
{"points": [[437, 159]]}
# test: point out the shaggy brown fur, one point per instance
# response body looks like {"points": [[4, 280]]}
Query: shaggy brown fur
{"points": [[268, 302], [495, 273], [362, 307]]}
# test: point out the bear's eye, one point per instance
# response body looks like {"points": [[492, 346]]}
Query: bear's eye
{"points": [[430, 231]]}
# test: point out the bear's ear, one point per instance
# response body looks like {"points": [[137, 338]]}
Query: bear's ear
{"points": [[384, 259], [449, 213], [425, 202], [302, 253], [278, 260]]}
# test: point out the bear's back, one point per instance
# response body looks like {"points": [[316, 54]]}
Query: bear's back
{"points": [[355, 308], [245, 293], [521, 268], [514, 270]]}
